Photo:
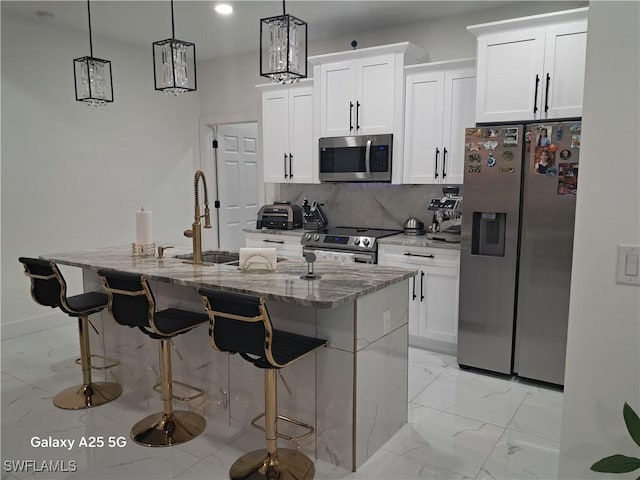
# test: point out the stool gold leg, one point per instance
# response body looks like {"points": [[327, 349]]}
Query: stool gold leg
{"points": [[89, 394], [170, 427], [272, 463]]}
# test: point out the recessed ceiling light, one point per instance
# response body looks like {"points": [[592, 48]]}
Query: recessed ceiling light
{"points": [[223, 9]]}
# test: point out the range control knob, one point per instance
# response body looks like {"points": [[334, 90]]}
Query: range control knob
{"points": [[307, 236], [365, 242], [356, 241], [316, 237]]}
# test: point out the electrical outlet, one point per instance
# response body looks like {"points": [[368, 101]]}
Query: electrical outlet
{"points": [[628, 271]]}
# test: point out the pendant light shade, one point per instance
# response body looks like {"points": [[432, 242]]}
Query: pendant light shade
{"points": [[93, 80], [283, 48], [174, 64]]}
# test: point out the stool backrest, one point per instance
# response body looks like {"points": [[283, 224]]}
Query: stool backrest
{"points": [[238, 323], [47, 284], [131, 301]]}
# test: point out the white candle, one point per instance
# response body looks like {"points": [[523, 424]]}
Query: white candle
{"points": [[144, 231]]}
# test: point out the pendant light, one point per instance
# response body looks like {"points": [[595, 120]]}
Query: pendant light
{"points": [[174, 64], [283, 48], [93, 80]]}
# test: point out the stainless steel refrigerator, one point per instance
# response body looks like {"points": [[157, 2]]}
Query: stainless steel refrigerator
{"points": [[520, 187]]}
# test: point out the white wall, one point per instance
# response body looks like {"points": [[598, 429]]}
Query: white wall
{"points": [[603, 351], [72, 175]]}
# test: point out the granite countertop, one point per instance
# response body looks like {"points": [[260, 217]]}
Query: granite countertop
{"points": [[340, 283], [417, 241], [292, 233]]}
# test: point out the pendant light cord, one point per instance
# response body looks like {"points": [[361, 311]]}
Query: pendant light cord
{"points": [[284, 10], [173, 28], [90, 36]]}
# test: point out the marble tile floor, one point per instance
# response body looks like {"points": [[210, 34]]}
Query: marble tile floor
{"points": [[461, 425]]}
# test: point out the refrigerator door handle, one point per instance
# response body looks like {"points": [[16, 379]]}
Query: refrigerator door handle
{"points": [[535, 95], [546, 94], [421, 285], [437, 155]]}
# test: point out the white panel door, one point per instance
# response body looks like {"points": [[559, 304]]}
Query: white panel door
{"points": [[375, 82], [275, 135], [566, 49], [423, 127], [509, 83], [459, 113], [238, 176], [337, 98]]}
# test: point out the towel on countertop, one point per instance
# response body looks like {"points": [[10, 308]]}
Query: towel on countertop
{"points": [[258, 258]]}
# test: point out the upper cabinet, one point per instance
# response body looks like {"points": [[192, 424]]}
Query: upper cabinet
{"points": [[287, 134], [440, 104], [361, 92], [531, 68]]}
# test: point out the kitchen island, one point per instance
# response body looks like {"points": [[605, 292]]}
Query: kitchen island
{"points": [[354, 391]]}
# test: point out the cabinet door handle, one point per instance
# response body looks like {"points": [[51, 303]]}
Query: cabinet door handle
{"points": [[437, 155], [414, 288], [444, 163], [350, 116], [409, 254], [421, 286], [546, 94], [273, 241], [285, 166], [535, 95], [290, 166], [357, 115]]}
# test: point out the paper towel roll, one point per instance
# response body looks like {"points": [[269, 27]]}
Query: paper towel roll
{"points": [[144, 230], [262, 258]]}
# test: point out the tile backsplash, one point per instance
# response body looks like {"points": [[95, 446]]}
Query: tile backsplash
{"points": [[377, 205]]}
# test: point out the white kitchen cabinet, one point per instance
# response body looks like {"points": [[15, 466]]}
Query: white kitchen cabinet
{"points": [[287, 135], [433, 293], [357, 96], [361, 92], [286, 245], [531, 68], [440, 104]]}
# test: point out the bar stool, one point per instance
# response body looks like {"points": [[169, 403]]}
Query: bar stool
{"points": [[240, 324], [132, 304], [49, 288]]}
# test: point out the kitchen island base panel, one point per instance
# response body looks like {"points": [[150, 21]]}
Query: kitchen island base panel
{"points": [[354, 392]]}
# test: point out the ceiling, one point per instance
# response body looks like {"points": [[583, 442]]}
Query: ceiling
{"points": [[143, 22]]}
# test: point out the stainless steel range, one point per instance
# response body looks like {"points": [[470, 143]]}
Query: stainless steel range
{"points": [[359, 242]]}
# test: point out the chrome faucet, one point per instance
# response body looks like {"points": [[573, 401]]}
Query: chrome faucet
{"points": [[196, 232]]}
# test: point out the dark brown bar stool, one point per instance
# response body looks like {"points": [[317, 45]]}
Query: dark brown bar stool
{"points": [[49, 288], [240, 324], [132, 304]]}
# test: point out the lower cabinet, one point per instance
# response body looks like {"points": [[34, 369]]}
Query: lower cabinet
{"points": [[433, 294], [286, 245]]}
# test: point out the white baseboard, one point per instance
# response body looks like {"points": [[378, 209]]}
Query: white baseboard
{"points": [[433, 345], [34, 325]]}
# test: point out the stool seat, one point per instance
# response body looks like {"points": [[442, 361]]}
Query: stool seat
{"points": [[49, 288], [85, 303], [172, 322], [287, 347]]}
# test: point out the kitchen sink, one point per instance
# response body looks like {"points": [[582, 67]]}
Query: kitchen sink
{"points": [[211, 257]]}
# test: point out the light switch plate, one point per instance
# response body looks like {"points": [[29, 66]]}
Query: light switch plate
{"points": [[628, 271]]}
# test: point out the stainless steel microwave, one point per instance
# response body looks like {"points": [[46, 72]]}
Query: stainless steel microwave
{"points": [[362, 158]]}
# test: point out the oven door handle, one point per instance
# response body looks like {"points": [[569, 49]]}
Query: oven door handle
{"points": [[367, 158]]}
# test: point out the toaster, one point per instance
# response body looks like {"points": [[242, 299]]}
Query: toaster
{"points": [[280, 215]]}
